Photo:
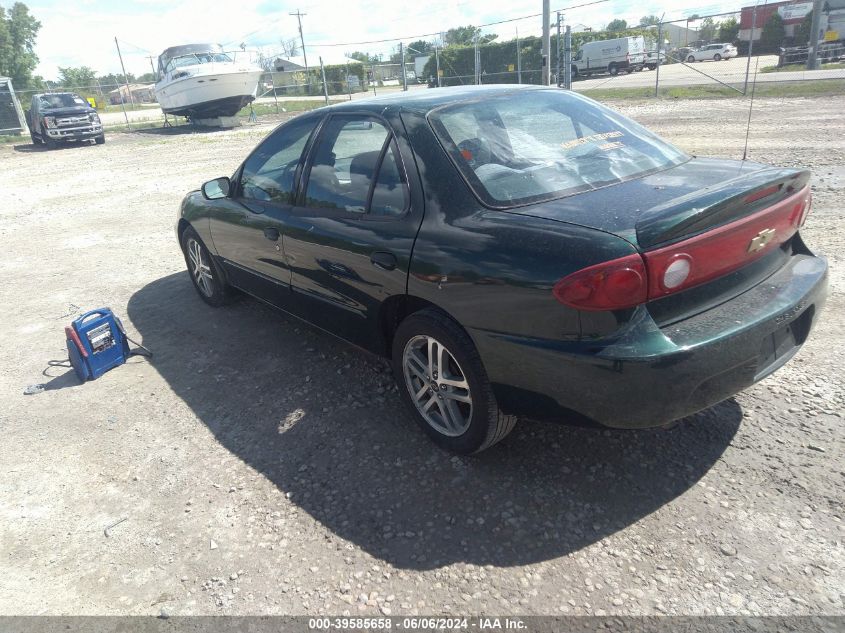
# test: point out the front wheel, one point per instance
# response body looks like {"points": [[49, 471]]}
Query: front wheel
{"points": [[442, 380], [100, 140], [690, 59], [574, 72], [50, 143], [717, 57], [205, 273]]}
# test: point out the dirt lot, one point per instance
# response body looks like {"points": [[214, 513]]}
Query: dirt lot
{"points": [[265, 468]]}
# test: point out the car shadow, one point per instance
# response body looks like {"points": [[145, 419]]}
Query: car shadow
{"points": [[320, 420], [178, 129], [29, 148]]}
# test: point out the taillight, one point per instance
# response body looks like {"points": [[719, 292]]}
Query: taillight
{"points": [[614, 285], [634, 279], [805, 210]]}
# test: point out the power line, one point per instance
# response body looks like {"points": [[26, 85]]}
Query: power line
{"points": [[301, 37], [419, 35]]}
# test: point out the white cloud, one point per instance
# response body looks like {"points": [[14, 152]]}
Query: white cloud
{"points": [[83, 33]]}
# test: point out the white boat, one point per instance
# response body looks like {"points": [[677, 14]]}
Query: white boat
{"points": [[202, 81]]}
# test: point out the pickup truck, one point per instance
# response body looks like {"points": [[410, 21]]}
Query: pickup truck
{"points": [[57, 117]]}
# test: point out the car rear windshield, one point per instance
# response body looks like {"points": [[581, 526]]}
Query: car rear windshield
{"points": [[534, 145]]}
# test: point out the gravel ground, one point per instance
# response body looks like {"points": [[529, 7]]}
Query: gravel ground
{"points": [[260, 467]]}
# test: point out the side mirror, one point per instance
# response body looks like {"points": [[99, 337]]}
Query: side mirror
{"points": [[217, 188]]}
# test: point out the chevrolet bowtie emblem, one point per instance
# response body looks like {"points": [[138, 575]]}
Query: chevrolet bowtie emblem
{"points": [[760, 240]]}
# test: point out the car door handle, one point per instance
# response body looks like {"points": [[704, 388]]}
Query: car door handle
{"points": [[271, 234], [385, 261]]}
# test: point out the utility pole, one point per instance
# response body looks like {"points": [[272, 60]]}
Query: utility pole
{"points": [[659, 44], [155, 74], [302, 42], [518, 59], [557, 56], [126, 81], [567, 58], [750, 47], [325, 85], [437, 64], [402, 59], [546, 77], [812, 58], [477, 64]]}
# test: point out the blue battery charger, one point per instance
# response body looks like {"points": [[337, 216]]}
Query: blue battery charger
{"points": [[96, 342]]}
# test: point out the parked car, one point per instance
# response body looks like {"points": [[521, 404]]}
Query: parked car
{"points": [[58, 117], [716, 52], [651, 59], [625, 54], [516, 251]]}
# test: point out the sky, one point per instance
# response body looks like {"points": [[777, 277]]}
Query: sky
{"points": [[81, 33]]}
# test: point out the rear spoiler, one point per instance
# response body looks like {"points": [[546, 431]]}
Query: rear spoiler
{"points": [[720, 204]]}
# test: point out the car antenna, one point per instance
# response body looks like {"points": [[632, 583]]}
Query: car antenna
{"points": [[753, 86]]}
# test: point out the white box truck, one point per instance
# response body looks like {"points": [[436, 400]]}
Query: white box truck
{"points": [[625, 54]]}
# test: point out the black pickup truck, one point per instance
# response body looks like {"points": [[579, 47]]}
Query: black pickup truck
{"points": [[58, 117]]}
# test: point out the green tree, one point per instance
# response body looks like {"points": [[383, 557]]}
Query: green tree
{"points": [[616, 25], [773, 33], [649, 20], [18, 30], [420, 47], [366, 58], [146, 78], [465, 36], [728, 30], [803, 30], [111, 81], [82, 77], [707, 30]]}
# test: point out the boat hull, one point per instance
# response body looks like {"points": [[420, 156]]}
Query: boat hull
{"points": [[208, 96]]}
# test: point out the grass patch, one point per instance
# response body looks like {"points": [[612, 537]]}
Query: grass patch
{"points": [[13, 138], [819, 88], [799, 67], [303, 105]]}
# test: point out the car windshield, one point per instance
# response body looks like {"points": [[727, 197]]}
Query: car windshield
{"points": [[197, 58], [533, 145], [63, 100]]}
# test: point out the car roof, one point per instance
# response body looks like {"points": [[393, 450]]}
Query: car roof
{"points": [[424, 100]]}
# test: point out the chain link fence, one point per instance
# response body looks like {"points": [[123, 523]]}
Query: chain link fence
{"points": [[698, 56]]}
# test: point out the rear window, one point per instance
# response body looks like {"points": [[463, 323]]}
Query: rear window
{"points": [[535, 145]]}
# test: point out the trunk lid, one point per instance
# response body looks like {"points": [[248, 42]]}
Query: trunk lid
{"points": [[672, 204], [706, 230]]}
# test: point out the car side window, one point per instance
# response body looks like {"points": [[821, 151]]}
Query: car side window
{"points": [[344, 168], [269, 173], [390, 192]]}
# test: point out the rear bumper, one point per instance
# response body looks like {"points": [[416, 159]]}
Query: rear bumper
{"points": [[647, 375]]}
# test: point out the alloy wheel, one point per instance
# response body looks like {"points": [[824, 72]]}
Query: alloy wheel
{"points": [[200, 268], [437, 385]]}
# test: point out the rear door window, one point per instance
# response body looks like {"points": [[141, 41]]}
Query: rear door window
{"points": [[355, 168]]}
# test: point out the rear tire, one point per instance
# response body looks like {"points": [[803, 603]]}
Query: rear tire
{"points": [[690, 59], [205, 273], [452, 399], [717, 57], [574, 72], [613, 69]]}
